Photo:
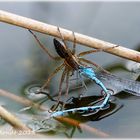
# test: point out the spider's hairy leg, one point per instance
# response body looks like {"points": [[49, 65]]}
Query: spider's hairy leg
{"points": [[61, 36], [94, 64], [67, 86], [74, 44], [88, 52], [63, 39], [60, 90], [96, 50], [42, 46], [67, 83], [61, 83], [52, 75]]}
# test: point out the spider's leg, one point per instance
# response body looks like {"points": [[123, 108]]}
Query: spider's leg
{"points": [[61, 36], [83, 64], [61, 83], [96, 50], [51, 76], [60, 90], [94, 64], [89, 52], [67, 85], [74, 44], [43, 47], [77, 78]]}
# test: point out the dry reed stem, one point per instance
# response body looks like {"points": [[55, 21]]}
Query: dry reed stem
{"points": [[68, 35], [21, 100], [12, 120], [83, 126]]}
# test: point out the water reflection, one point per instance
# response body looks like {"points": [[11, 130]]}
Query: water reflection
{"points": [[41, 123]]}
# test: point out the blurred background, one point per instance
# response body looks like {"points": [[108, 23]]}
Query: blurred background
{"points": [[22, 62]]}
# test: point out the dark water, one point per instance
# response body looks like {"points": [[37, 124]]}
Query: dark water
{"points": [[23, 62]]}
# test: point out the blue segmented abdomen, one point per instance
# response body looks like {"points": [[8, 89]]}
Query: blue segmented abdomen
{"points": [[89, 73], [99, 83]]}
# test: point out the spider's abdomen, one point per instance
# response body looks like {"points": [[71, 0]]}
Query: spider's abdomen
{"points": [[60, 49], [66, 54]]}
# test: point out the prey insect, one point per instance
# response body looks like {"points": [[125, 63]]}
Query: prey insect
{"points": [[71, 63]]}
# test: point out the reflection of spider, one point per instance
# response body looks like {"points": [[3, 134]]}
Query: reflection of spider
{"points": [[71, 63]]}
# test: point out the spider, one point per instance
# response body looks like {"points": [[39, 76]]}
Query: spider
{"points": [[71, 62]]}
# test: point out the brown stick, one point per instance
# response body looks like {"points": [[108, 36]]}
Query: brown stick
{"points": [[12, 120], [21, 100], [83, 126], [68, 35]]}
